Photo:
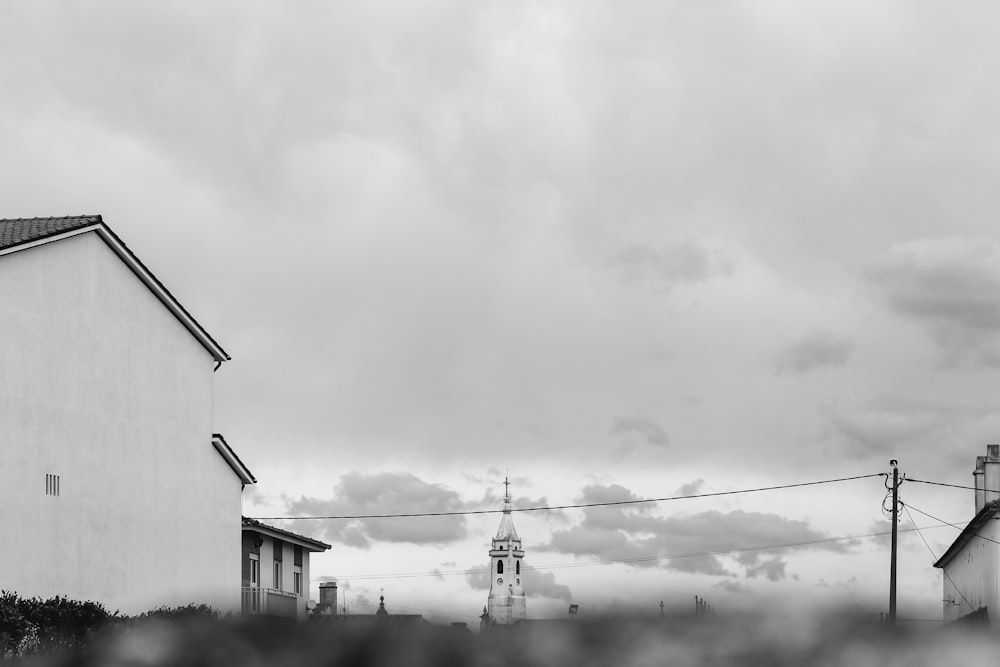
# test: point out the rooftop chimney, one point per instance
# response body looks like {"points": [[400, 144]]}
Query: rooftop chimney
{"points": [[328, 598], [987, 477], [977, 479], [991, 477]]}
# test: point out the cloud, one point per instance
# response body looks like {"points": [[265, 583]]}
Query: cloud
{"points": [[686, 542], [543, 584], [691, 488], [386, 493], [951, 288], [670, 265], [773, 569], [645, 430], [731, 586], [815, 350], [890, 424], [536, 583]]}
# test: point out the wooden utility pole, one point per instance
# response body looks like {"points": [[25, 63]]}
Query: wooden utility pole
{"points": [[892, 563]]}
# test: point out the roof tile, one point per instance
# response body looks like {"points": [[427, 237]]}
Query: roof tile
{"points": [[17, 231]]}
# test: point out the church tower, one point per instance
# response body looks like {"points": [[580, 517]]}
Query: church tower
{"points": [[506, 603]]}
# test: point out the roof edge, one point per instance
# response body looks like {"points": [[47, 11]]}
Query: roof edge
{"points": [[152, 283], [230, 457], [288, 536], [158, 289], [969, 532]]}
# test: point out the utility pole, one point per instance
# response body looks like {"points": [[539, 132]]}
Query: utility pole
{"points": [[892, 563]]}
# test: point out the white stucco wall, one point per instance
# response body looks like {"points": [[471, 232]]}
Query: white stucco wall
{"points": [[970, 578], [101, 385]]}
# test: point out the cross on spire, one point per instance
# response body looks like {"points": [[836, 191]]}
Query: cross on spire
{"points": [[506, 485]]}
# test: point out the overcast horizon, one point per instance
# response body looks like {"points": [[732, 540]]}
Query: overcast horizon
{"points": [[621, 250]]}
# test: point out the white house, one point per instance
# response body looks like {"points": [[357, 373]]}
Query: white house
{"points": [[971, 565], [276, 570], [113, 486]]}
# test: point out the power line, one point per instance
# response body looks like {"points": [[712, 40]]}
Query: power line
{"points": [[563, 507], [625, 561], [954, 486], [934, 556], [982, 537]]}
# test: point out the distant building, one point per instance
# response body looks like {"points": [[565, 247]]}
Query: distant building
{"points": [[276, 570], [971, 565], [380, 619], [506, 603], [113, 486]]}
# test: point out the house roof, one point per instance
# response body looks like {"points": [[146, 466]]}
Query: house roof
{"points": [[303, 541], [17, 234], [232, 459], [18, 231], [969, 532]]}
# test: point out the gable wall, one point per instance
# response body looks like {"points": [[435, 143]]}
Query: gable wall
{"points": [[101, 385], [970, 578]]}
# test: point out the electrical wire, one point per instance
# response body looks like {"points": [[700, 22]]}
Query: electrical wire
{"points": [[563, 507], [934, 556], [954, 486], [626, 561], [982, 537]]}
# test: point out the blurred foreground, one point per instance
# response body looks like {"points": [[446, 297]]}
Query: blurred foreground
{"points": [[738, 640]]}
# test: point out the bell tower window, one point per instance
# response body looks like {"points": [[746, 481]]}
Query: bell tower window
{"points": [[499, 567]]}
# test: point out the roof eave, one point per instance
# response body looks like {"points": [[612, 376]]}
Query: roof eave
{"points": [[968, 532], [141, 272], [287, 536], [230, 457], [161, 292]]}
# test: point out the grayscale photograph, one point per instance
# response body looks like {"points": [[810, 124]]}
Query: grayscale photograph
{"points": [[466, 332]]}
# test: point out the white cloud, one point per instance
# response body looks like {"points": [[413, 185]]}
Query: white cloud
{"points": [[816, 349], [950, 287]]}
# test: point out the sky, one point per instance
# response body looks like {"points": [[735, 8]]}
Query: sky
{"points": [[615, 251]]}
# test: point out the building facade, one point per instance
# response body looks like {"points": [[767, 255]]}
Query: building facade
{"points": [[971, 565], [276, 570], [113, 486], [506, 603]]}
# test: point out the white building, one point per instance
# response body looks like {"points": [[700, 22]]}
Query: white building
{"points": [[113, 487], [276, 570], [971, 565], [506, 604]]}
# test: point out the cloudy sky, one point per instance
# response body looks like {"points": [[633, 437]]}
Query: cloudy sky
{"points": [[623, 250]]}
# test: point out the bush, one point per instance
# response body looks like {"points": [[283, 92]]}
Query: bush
{"points": [[29, 625], [32, 625]]}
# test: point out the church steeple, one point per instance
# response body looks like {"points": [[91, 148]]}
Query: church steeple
{"points": [[506, 603]]}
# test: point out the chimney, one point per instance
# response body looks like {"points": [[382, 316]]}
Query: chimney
{"points": [[977, 478], [991, 474], [328, 598]]}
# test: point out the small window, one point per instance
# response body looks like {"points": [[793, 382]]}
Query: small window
{"points": [[297, 556], [254, 571], [499, 567], [517, 567], [277, 575], [297, 579], [278, 548], [51, 484]]}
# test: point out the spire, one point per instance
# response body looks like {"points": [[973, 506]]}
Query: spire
{"points": [[381, 604], [507, 531]]}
